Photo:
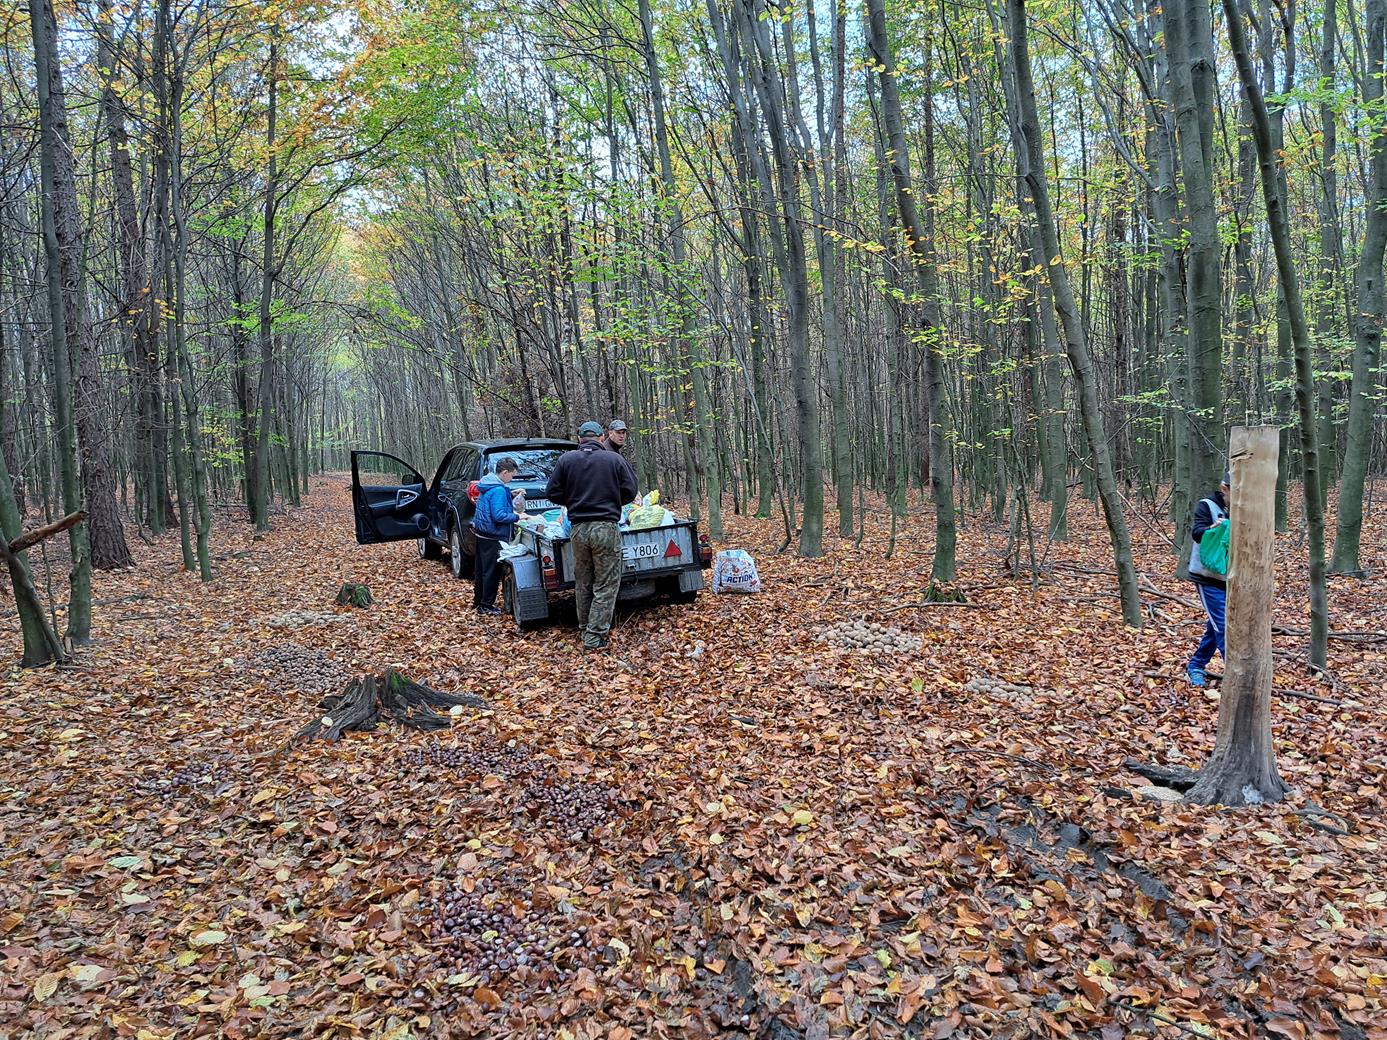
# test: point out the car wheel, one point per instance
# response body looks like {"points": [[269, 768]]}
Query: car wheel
{"points": [[428, 550], [462, 564]]}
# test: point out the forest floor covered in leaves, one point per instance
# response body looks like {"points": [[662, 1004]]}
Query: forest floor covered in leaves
{"points": [[733, 824]]}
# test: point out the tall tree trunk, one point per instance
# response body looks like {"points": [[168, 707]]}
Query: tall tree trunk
{"points": [[137, 302], [1076, 343], [179, 248], [1368, 310], [751, 175], [1189, 40], [62, 242], [827, 195], [702, 449], [941, 466], [260, 468], [770, 89], [1274, 198]]}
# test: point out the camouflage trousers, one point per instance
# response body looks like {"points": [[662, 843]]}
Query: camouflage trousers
{"points": [[597, 567]]}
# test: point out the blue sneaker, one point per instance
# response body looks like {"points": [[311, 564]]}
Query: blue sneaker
{"points": [[1196, 676]]}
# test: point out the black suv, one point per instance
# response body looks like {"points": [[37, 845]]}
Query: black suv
{"points": [[440, 514]]}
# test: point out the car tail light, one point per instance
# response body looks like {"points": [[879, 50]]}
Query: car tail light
{"points": [[673, 549], [703, 539], [474, 491], [548, 574]]}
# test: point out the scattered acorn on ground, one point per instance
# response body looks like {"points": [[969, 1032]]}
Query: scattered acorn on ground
{"points": [[485, 756]]}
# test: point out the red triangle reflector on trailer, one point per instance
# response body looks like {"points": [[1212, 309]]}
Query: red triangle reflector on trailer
{"points": [[673, 549]]}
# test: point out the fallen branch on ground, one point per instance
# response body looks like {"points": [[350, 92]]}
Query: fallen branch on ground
{"points": [[1343, 637], [370, 699], [1311, 811]]}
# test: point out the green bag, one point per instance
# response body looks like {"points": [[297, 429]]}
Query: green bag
{"points": [[1213, 549]]}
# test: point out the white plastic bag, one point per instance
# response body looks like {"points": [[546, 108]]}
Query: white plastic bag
{"points": [[735, 571]]}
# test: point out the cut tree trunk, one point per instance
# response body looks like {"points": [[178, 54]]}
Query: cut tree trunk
{"points": [[370, 699], [353, 595], [1242, 768]]}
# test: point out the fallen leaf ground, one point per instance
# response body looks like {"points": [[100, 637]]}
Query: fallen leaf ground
{"points": [[729, 826]]}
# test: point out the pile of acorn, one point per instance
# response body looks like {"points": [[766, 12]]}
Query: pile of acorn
{"points": [[307, 668], [486, 756], [572, 808], [869, 636], [493, 936]]}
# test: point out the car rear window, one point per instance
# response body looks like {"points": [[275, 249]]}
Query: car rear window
{"points": [[534, 463]]}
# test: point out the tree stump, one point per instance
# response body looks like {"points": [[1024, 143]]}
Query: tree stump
{"points": [[352, 595], [370, 699]]}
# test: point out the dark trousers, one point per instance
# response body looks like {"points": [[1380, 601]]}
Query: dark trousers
{"points": [[487, 574], [1215, 602]]}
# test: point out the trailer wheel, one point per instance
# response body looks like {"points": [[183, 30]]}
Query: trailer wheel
{"points": [[510, 602]]}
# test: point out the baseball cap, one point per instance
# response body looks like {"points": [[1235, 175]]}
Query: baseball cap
{"points": [[616, 424], [1228, 478], [590, 429]]}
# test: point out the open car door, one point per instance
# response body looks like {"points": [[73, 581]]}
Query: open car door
{"points": [[387, 498]]}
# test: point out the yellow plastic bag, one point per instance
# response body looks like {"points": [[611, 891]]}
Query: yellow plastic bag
{"points": [[645, 517]]}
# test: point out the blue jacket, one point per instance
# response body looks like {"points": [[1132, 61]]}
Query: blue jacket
{"points": [[495, 513]]}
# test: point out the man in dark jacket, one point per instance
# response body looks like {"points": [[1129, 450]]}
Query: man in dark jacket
{"points": [[492, 524], [1213, 588], [594, 484], [615, 437]]}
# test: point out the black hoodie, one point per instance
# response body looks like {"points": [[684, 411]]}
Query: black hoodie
{"points": [[592, 482]]}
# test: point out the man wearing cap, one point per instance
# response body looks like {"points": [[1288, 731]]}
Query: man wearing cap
{"points": [[1213, 588], [615, 438], [593, 483]]}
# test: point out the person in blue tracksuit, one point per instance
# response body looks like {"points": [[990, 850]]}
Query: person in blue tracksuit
{"points": [[493, 524], [1213, 588]]}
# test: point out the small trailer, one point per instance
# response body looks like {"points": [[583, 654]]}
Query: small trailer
{"points": [[659, 561]]}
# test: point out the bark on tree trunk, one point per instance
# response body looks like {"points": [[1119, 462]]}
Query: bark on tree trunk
{"points": [[41, 644], [1242, 768]]}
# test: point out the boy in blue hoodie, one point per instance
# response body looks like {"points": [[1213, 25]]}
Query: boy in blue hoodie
{"points": [[492, 525]]}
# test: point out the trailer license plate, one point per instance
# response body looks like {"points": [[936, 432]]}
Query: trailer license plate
{"points": [[643, 551]]}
